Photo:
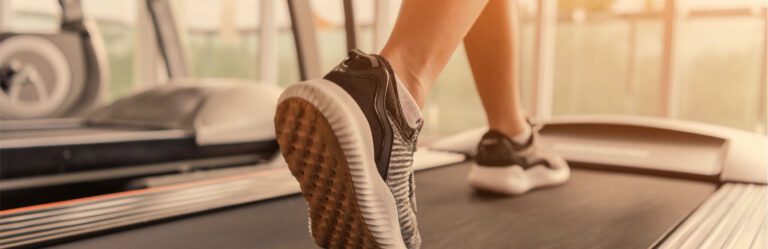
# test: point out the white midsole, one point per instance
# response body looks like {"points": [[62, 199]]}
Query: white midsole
{"points": [[513, 179], [375, 200]]}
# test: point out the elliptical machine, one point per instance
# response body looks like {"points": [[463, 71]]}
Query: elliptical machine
{"points": [[55, 75]]}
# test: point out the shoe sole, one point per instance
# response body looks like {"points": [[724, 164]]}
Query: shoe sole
{"points": [[327, 143], [513, 180]]}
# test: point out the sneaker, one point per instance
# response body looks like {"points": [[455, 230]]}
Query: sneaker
{"points": [[506, 167], [348, 144]]}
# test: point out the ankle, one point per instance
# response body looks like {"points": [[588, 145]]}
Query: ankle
{"points": [[415, 88], [409, 78], [518, 131]]}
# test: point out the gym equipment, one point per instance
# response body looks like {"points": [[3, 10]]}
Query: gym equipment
{"points": [[185, 126], [50, 222], [641, 202], [197, 119], [636, 183], [53, 75], [633, 143]]}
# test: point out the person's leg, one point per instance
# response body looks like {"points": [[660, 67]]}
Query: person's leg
{"points": [[509, 159], [349, 138], [490, 47], [425, 36]]}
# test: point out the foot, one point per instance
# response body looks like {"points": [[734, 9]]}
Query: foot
{"points": [[506, 167], [347, 142]]}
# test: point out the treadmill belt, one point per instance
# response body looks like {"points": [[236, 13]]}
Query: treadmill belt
{"points": [[595, 209]]}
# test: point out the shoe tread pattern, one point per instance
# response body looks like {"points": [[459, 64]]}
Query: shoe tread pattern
{"points": [[316, 159]]}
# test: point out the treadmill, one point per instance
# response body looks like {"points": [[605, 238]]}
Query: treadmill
{"points": [[201, 124], [636, 183], [182, 125]]}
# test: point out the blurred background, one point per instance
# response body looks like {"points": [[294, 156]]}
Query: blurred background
{"points": [[700, 60], [117, 113]]}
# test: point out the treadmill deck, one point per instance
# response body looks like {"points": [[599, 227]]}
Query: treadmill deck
{"points": [[595, 209]]}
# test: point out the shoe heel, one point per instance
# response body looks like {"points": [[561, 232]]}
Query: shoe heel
{"points": [[317, 161], [326, 141]]}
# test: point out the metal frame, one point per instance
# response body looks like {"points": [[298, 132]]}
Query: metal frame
{"points": [[761, 110], [350, 26], [5, 15], [544, 50], [146, 64], [632, 40], [267, 65], [670, 87], [110, 137], [128, 171], [168, 38], [305, 38], [71, 12], [729, 218], [73, 19]]}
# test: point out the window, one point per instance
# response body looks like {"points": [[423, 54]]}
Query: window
{"points": [[116, 21], [222, 39], [607, 58], [610, 58], [720, 78]]}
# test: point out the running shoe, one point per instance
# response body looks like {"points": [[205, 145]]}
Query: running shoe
{"points": [[506, 167], [350, 147]]}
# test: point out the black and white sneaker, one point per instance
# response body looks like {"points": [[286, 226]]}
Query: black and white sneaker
{"points": [[347, 142], [505, 167]]}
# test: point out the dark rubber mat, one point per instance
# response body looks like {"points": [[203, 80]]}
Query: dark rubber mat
{"points": [[595, 209]]}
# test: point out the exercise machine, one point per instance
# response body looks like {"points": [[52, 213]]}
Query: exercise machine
{"points": [[636, 183], [195, 124], [53, 75], [181, 125]]}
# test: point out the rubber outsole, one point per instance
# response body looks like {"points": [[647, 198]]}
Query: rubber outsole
{"points": [[322, 135], [513, 180], [316, 159]]}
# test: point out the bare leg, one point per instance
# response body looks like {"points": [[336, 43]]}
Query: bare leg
{"points": [[490, 46], [425, 36]]}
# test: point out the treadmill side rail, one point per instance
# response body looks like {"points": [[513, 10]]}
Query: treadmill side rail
{"points": [[39, 124], [730, 218], [95, 138]]}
